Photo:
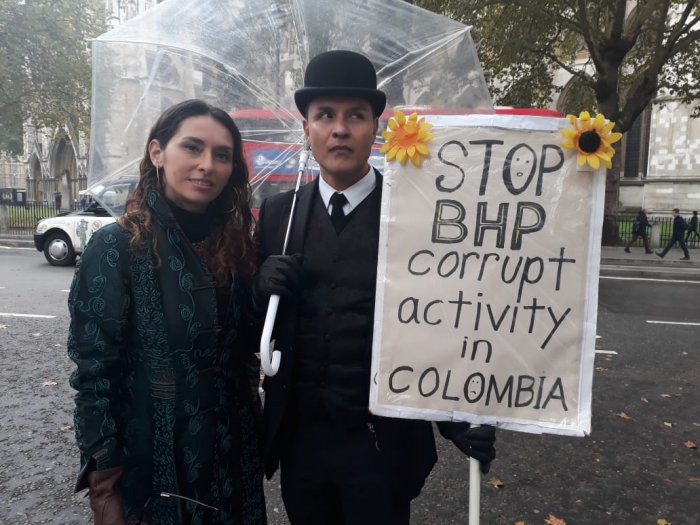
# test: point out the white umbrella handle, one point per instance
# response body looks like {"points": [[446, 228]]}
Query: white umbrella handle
{"points": [[474, 489], [270, 365]]}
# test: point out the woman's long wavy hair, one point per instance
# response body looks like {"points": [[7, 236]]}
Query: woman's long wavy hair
{"points": [[229, 245]]}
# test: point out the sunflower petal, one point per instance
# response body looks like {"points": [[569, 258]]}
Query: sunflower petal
{"points": [[400, 117], [599, 122], [603, 156], [584, 116], [392, 153], [568, 144], [416, 159], [581, 159], [425, 136], [401, 155], [593, 162], [614, 137], [569, 133], [422, 148]]}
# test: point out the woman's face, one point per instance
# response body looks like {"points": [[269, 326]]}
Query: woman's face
{"points": [[196, 163]]}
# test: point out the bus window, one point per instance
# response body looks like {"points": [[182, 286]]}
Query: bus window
{"points": [[272, 142]]}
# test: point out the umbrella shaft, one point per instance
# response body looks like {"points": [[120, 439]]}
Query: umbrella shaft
{"points": [[303, 159]]}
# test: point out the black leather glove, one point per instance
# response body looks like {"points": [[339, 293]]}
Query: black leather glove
{"points": [[278, 275], [105, 499], [475, 442]]}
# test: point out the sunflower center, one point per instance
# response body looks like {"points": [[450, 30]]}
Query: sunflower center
{"points": [[589, 141]]}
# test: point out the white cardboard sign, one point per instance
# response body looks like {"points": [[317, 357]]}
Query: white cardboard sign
{"points": [[487, 280]]}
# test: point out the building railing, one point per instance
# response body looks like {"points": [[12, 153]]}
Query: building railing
{"points": [[661, 227], [22, 220]]}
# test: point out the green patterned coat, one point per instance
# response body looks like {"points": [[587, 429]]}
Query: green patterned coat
{"points": [[163, 390]]}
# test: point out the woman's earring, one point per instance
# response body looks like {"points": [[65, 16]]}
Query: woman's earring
{"points": [[160, 182]]}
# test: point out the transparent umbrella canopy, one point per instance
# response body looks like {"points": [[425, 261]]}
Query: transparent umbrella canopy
{"points": [[248, 57]]}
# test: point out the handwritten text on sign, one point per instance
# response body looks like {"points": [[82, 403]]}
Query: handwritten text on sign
{"points": [[484, 282]]}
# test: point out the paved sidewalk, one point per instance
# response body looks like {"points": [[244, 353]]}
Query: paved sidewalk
{"points": [[614, 261], [637, 255], [17, 241]]}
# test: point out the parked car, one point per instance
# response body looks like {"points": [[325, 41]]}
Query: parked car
{"points": [[62, 238]]}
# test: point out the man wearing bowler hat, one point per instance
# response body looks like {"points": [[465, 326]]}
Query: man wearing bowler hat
{"points": [[339, 464]]}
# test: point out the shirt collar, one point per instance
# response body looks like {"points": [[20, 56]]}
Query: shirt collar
{"points": [[355, 194]]}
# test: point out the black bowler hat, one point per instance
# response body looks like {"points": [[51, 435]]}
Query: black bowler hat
{"points": [[340, 74]]}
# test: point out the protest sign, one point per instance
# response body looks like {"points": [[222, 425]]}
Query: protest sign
{"points": [[487, 279]]}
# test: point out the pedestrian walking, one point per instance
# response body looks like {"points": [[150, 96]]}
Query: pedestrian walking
{"points": [[639, 230], [167, 409], [340, 465], [693, 227], [679, 227]]}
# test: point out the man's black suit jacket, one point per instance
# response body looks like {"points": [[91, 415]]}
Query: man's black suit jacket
{"points": [[407, 446]]}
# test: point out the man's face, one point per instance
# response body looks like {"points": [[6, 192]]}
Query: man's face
{"points": [[341, 132]]}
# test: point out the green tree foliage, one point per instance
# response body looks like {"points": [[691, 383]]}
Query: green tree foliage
{"points": [[45, 64], [621, 54]]}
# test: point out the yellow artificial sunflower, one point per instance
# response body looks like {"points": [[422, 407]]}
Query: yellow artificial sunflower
{"points": [[592, 138], [406, 138]]}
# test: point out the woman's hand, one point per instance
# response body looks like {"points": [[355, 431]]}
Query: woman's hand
{"points": [[105, 499]]}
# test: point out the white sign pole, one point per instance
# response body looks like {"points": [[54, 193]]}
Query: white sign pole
{"points": [[474, 490]]}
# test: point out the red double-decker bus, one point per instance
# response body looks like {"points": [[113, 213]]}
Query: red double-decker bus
{"points": [[272, 140]]}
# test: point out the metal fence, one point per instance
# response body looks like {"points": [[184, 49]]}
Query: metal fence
{"points": [[22, 218], [664, 223]]}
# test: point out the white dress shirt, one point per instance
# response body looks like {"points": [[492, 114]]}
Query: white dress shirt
{"points": [[355, 194]]}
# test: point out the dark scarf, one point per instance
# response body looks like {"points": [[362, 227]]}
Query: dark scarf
{"points": [[195, 226]]}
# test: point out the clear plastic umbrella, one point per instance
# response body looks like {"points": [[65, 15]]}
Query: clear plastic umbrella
{"points": [[248, 57]]}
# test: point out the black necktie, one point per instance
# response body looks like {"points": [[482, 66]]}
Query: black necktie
{"points": [[338, 200]]}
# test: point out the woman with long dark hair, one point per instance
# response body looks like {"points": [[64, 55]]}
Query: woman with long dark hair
{"points": [[167, 406]]}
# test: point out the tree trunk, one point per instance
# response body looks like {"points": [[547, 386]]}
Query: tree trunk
{"points": [[611, 235]]}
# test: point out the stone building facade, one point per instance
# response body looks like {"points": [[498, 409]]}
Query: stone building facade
{"points": [[56, 168], [668, 143], [12, 171]]}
